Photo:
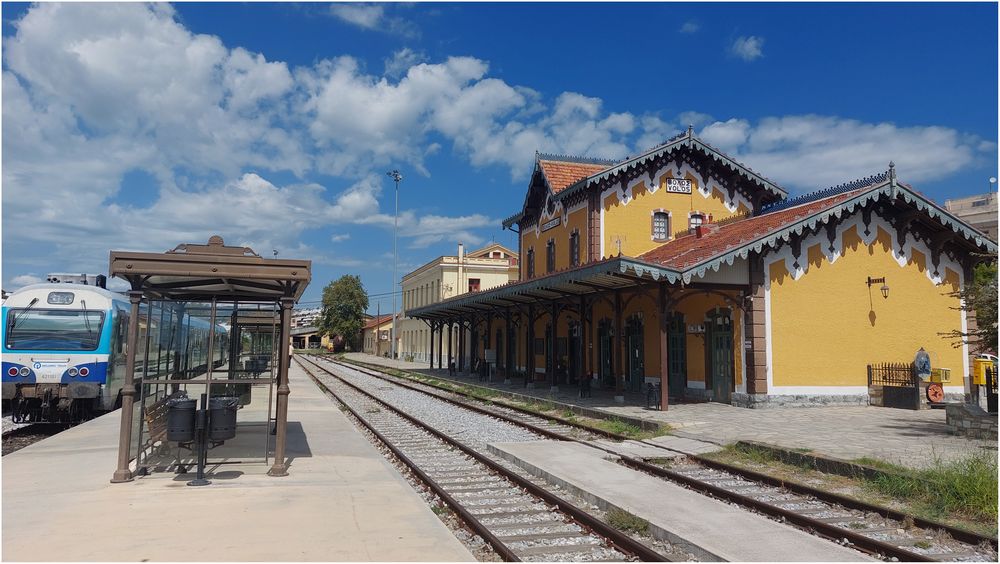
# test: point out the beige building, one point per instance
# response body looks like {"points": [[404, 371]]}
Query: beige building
{"points": [[375, 335], [446, 277], [978, 211]]}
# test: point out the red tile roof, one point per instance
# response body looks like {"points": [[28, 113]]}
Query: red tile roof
{"points": [[375, 321], [563, 174], [689, 250]]}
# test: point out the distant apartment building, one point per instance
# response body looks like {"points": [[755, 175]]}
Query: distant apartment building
{"points": [[978, 211], [447, 277], [305, 317]]}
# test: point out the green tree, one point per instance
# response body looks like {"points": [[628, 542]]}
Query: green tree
{"points": [[980, 296], [344, 305]]}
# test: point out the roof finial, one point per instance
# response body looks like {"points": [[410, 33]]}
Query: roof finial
{"points": [[892, 179], [690, 130]]}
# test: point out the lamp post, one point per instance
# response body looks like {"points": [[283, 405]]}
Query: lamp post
{"points": [[396, 177]]}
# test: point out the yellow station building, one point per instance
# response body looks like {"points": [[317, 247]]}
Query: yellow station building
{"points": [[683, 267]]}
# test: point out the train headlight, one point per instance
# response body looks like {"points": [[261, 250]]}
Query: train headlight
{"points": [[84, 371], [72, 371], [12, 371], [25, 371]]}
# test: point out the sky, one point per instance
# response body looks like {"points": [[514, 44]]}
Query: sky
{"points": [[139, 127]]}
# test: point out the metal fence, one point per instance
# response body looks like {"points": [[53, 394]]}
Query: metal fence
{"points": [[897, 382]]}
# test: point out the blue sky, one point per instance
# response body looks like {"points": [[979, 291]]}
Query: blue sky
{"points": [[138, 127]]}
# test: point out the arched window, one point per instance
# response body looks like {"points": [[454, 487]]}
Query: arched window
{"points": [[574, 249], [550, 256], [531, 263], [661, 226], [695, 220]]}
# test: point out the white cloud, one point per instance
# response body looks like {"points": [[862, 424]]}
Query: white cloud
{"points": [[748, 48], [811, 151], [690, 26], [340, 237], [401, 61], [24, 280], [366, 16], [373, 17]]}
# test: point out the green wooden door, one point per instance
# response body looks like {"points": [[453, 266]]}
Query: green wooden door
{"points": [[720, 339], [677, 355], [605, 361], [634, 352]]}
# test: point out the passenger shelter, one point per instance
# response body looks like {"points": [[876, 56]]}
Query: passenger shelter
{"points": [[205, 319], [683, 268]]}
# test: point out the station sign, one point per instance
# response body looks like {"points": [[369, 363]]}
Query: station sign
{"points": [[554, 222], [679, 185]]}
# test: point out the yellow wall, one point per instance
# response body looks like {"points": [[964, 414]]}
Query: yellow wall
{"points": [[841, 325], [633, 221], [576, 220]]}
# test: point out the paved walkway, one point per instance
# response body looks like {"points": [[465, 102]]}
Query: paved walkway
{"points": [[912, 438], [342, 501]]}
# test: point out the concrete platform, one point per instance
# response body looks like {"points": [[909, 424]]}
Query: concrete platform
{"points": [[651, 448], [709, 528], [340, 502]]}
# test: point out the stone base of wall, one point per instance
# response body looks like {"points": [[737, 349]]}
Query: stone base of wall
{"points": [[698, 394], [971, 421], [806, 400]]}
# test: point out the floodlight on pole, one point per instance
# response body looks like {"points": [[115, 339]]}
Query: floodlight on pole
{"points": [[993, 183], [396, 177]]}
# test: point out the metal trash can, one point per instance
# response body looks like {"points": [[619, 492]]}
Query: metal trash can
{"points": [[222, 418], [180, 419]]}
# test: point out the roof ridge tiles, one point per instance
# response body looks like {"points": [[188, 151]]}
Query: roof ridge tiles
{"points": [[848, 186], [576, 159]]}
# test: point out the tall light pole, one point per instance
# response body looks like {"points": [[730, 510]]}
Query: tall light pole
{"points": [[396, 177]]}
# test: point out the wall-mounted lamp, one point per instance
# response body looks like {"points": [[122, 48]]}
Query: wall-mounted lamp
{"points": [[884, 288]]}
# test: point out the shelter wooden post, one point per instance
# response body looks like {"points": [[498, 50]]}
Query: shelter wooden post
{"points": [[122, 473], [279, 468], [664, 348], [450, 325], [583, 343]]}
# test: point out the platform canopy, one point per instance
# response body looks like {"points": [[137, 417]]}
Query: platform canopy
{"points": [[202, 272]]}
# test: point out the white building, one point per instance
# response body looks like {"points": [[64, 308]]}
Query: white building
{"points": [[446, 277]]}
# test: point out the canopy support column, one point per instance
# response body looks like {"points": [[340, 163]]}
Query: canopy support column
{"points": [[279, 468], [431, 343], [122, 473], [529, 349], [664, 348], [450, 356], [461, 344], [440, 342], [508, 369], [619, 351]]}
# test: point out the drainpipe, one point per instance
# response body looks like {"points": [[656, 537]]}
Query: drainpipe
{"points": [[461, 271]]}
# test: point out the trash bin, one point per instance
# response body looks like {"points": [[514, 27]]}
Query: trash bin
{"points": [[180, 419], [222, 418]]}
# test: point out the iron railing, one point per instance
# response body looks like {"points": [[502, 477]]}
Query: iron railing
{"points": [[895, 374]]}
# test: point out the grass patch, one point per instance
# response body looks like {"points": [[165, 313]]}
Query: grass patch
{"points": [[625, 521], [962, 493], [619, 427], [966, 486]]}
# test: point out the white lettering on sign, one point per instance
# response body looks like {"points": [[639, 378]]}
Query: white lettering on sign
{"points": [[550, 223], [679, 185]]}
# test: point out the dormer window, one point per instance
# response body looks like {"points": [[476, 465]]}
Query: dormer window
{"points": [[661, 226], [695, 220]]}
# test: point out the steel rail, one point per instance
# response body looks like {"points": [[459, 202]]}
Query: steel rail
{"points": [[618, 539], [958, 534], [474, 523]]}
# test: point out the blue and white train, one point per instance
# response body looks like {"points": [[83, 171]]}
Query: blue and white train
{"points": [[64, 348]]}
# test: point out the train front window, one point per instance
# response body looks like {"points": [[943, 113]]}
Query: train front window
{"points": [[48, 329]]}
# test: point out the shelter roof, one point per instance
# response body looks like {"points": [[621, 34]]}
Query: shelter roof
{"points": [[203, 272]]}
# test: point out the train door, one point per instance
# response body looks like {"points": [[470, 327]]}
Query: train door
{"points": [[635, 353], [719, 329], [677, 355]]}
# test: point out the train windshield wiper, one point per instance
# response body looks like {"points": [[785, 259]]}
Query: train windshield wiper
{"points": [[17, 316], [86, 317]]}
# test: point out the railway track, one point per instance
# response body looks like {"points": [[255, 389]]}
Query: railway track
{"points": [[518, 518], [15, 439], [879, 531]]}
